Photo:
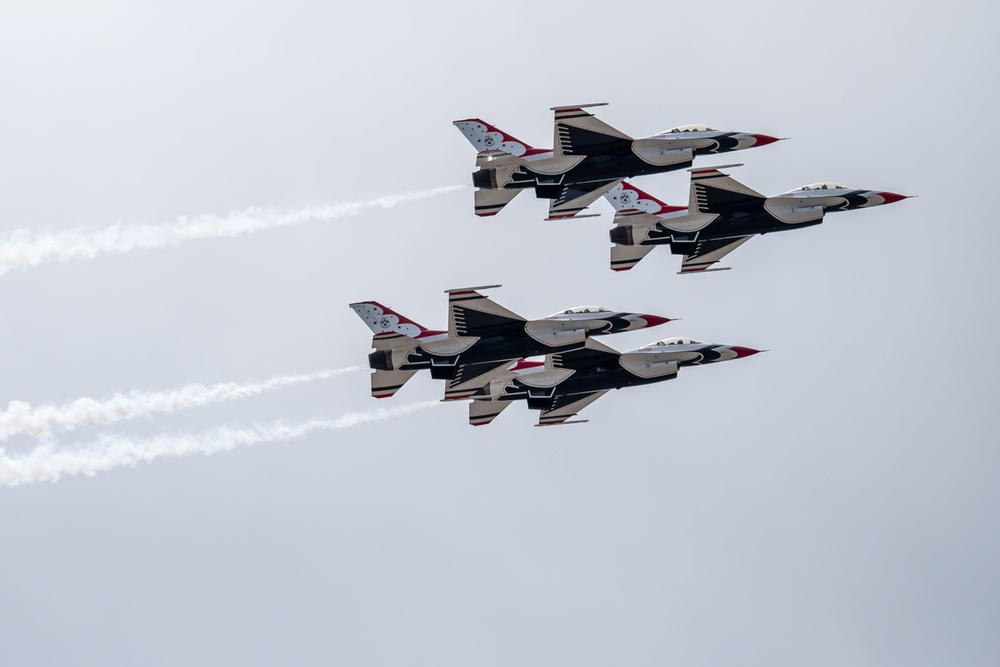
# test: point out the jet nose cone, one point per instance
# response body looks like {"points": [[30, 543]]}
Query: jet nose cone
{"points": [[891, 197], [743, 351], [654, 320], [763, 139]]}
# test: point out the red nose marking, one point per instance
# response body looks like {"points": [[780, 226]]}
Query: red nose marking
{"points": [[743, 351], [654, 320], [891, 197], [764, 139]]}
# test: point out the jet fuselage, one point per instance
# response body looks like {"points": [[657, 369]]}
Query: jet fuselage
{"points": [[650, 364], [609, 160], [512, 339], [730, 215]]}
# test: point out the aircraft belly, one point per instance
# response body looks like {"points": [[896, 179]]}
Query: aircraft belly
{"points": [[613, 379], [610, 167], [734, 226], [522, 346]]}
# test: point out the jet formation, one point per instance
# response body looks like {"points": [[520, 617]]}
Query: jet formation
{"points": [[482, 355], [489, 355]]}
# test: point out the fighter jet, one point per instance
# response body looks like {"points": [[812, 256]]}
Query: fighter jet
{"points": [[482, 336], [565, 383], [589, 158], [722, 214]]}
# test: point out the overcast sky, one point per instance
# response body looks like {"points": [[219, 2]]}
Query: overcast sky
{"points": [[831, 502]]}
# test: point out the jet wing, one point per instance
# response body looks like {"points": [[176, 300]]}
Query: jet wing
{"points": [[576, 197], [707, 253], [564, 406], [578, 132], [713, 191], [474, 315]]}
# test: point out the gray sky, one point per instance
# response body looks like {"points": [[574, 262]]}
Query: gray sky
{"points": [[831, 502]]}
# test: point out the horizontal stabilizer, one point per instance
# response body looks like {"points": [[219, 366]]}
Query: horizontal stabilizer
{"points": [[387, 383], [564, 407], [490, 202], [624, 257], [469, 378], [574, 199], [707, 253], [484, 412]]}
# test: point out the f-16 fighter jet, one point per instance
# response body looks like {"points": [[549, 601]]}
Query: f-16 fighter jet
{"points": [[481, 337], [567, 382], [722, 214], [589, 158]]}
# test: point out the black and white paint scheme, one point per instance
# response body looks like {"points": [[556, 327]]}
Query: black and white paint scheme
{"points": [[566, 382], [830, 503], [588, 158], [482, 336], [722, 214]]}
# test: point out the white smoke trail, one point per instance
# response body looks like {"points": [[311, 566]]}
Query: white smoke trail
{"points": [[20, 417], [48, 462], [22, 248]]}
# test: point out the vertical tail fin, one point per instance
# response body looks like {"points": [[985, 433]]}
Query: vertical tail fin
{"points": [[625, 197], [383, 321], [485, 137]]}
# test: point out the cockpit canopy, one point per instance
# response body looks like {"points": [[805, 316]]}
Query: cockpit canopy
{"points": [[581, 309], [678, 340], [694, 127], [820, 186]]}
